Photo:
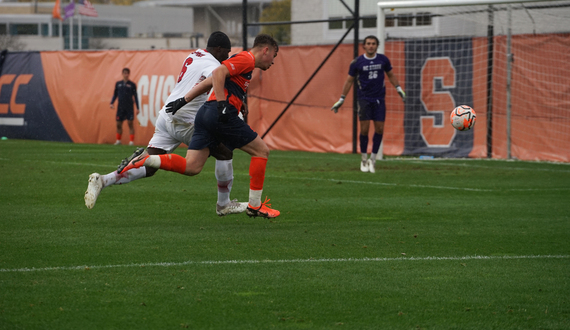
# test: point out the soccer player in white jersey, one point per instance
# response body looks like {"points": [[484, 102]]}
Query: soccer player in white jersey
{"points": [[171, 130]]}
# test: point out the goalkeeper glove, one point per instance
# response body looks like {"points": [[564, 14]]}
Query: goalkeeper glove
{"points": [[401, 92], [338, 104], [175, 105], [223, 111]]}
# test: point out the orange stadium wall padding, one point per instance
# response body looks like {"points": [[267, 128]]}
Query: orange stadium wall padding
{"points": [[540, 100], [309, 124], [81, 86], [65, 96]]}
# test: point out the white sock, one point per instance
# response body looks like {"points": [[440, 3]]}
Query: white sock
{"points": [[255, 198], [153, 161], [109, 179], [364, 157], [131, 175], [373, 158], [225, 176]]}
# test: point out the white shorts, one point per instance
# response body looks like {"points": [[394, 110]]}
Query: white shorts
{"points": [[168, 133]]}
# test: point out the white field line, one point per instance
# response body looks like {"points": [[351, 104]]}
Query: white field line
{"points": [[281, 261]]}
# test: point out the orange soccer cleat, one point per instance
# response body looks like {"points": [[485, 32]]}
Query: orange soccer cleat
{"points": [[263, 210], [136, 162]]}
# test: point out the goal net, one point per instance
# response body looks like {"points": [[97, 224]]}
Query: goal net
{"points": [[509, 61]]}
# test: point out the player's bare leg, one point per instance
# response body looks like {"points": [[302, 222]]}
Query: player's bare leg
{"points": [[192, 165]]}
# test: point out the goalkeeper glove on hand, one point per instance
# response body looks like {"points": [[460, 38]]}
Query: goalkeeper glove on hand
{"points": [[223, 111], [401, 92], [338, 104], [175, 105]]}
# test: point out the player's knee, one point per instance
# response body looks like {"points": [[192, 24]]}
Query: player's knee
{"points": [[263, 151], [192, 170]]}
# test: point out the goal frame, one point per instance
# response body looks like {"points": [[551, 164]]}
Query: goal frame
{"points": [[381, 34]]}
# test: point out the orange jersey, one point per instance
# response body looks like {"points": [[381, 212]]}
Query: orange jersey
{"points": [[241, 67]]}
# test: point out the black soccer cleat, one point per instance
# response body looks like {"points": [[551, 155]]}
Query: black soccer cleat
{"points": [[127, 160]]}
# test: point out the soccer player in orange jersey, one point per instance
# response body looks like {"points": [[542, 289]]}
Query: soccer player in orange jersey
{"points": [[172, 130], [218, 121]]}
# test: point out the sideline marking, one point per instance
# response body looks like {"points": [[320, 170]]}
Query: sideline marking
{"points": [[282, 261]]}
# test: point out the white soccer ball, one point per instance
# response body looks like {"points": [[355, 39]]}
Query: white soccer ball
{"points": [[463, 118]]}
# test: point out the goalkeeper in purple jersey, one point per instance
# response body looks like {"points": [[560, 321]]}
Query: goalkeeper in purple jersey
{"points": [[368, 70]]}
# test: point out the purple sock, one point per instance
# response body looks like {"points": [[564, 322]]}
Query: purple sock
{"points": [[363, 143], [376, 140]]}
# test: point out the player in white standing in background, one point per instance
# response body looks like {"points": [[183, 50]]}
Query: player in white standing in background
{"points": [[171, 130], [368, 69]]}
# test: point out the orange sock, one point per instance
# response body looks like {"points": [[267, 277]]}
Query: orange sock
{"points": [[257, 172], [118, 136], [173, 163], [131, 137]]}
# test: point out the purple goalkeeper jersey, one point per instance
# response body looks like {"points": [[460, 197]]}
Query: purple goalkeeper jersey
{"points": [[369, 74]]}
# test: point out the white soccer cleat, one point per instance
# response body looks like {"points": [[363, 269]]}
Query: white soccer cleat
{"points": [[364, 166], [371, 166], [234, 207], [93, 190], [131, 143], [118, 142]]}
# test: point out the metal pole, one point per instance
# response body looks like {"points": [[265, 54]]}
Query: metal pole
{"points": [[244, 45], [490, 40], [381, 35], [441, 3], [354, 93], [79, 32], [71, 33], [244, 24], [509, 76], [61, 35]]}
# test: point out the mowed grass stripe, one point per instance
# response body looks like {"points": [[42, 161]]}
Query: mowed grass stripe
{"points": [[286, 261], [338, 180]]}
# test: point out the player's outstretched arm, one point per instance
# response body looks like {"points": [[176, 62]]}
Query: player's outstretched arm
{"points": [[345, 89], [199, 89], [396, 83]]}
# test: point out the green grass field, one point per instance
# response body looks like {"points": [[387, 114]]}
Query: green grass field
{"points": [[431, 244]]}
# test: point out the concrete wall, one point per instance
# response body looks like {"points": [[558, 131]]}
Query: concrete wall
{"points": [[151, 21], [307, 34], [144, 43]]}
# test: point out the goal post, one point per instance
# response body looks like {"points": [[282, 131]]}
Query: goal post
{"points": [[506, 59]]}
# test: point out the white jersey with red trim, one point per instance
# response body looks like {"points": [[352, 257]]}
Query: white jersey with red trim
{"points": [[197, 67]]}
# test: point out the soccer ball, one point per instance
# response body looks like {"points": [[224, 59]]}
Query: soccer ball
{"points": [[463, 118]]}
